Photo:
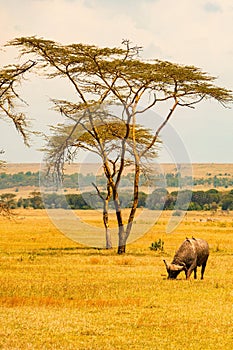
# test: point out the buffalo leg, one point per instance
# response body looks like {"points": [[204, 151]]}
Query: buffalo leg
{"points": [[203, 270], [188, 273], [190, 270]]}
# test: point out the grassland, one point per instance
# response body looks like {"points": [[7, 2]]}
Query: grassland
{"points": [[56, 294], [199, 169]]}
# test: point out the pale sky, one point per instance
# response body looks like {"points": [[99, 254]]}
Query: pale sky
{"points": [[183, 31]]}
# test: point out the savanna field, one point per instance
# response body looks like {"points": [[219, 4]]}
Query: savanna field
{"points": [[57, 294]]}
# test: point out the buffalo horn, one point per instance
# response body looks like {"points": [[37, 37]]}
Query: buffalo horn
{"points": [[167, 265], [175, 267]]}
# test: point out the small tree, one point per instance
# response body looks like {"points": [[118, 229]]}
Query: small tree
{"points": [[36, 200], [110, 75], [227, 202], [7, 203]]}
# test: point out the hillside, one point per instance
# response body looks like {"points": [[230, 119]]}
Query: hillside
{"points": [[200, 170]]}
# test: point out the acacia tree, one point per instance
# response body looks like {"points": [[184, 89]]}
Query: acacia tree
{"points": [[98, 124], [108, 75], [10, 78]]}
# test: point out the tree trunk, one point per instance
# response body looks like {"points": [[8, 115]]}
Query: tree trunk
{"points": [[105, 214], [108, 238], [106, 225], [122, 241], [135, 202], [121, 231]]}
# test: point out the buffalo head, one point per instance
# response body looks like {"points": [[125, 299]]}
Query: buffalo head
{"points": [[173, 270]]}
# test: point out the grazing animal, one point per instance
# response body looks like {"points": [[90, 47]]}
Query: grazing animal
{"points": [[193, 252]]}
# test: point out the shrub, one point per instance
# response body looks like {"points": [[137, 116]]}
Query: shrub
{"points": [[157, 245], [177, 213]]}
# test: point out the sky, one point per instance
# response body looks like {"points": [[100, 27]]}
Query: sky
{"points": [[183, 31]]}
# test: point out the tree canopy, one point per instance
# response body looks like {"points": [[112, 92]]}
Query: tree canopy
{"points": [[120, 73]]}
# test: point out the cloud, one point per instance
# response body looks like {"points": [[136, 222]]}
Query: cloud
{"points": [[189, 32], [117, 3], [138, 10], [212, 7]]}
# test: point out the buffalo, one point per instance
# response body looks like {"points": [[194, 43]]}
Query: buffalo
{"points": [[193, 252]]}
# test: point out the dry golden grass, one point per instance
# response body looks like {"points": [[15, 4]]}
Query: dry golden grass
{"points": [[56, 294]]}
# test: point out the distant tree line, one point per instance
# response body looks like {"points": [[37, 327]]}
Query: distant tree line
{"points": [[77, 180], [160, 199], [20, 179]]}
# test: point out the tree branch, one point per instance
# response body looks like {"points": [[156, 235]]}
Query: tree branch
{"points": [[160, 128]]}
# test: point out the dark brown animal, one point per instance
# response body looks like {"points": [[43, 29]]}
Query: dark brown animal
{"points": [[193, 252]]}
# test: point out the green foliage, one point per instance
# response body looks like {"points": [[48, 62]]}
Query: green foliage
{"points": [[227, 202], [177, 213], [19, 179], [8, 200], [36, 201], [157, 245], [157, 199], [160, 199], [77, 201], [78, 180]]}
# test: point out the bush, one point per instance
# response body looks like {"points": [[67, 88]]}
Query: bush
{"points": [[227, 202], [158, 245], [177, 213]]}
